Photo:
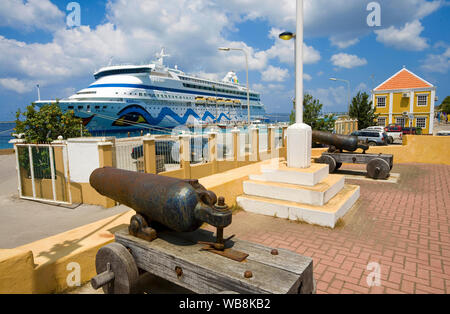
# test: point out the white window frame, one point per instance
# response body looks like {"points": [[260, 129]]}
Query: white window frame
{"points": [[426, 100], [417, 126], [383, 119], [402, 118], [378, 101]]}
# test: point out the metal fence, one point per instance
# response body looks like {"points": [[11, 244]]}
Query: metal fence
{"points": [[263, 138], [167, 154], [199, 149], [129, 154], [278, 137], [225, 146]]}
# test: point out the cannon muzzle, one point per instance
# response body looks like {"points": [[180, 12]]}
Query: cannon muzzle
{"points": [[180, 205], [341, 142]]}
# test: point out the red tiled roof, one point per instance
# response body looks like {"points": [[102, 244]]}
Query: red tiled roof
{"points": [[403, 80]]}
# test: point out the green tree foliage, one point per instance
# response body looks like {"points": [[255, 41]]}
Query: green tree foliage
{"points": [[311, 111], [362, 110], [445, 105], [48, 123]]}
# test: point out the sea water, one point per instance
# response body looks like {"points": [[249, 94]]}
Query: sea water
{"points": [[6, 128]]}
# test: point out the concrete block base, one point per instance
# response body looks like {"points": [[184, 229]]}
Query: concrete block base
{"points": [[301, 176], [326, 215], [318, 194]]}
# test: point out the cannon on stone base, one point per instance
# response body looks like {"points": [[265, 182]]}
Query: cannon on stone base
{"points": [[378, 165]]}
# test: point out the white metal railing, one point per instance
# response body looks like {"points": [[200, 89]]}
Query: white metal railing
{"points": [[37, 162]]}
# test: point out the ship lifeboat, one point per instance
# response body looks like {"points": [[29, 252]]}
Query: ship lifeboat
{"points": [[228, 102], [211, 100], [200, 100]]}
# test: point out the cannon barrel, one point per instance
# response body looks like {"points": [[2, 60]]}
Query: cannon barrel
{"points": [[181, 205], [342, 142]]}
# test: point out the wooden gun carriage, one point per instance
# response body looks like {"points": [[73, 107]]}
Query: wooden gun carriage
{"points": [[378, 165], [164, 239]]}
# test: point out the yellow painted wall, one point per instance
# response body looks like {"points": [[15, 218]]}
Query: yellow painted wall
{"points": [[385, 109], [16, 271], [422, 108], [415, 149], [383, 116], [400, 104]]}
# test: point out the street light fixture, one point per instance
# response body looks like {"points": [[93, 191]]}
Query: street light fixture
{"points": [[246, 67], [286, 36], [348, 90]]}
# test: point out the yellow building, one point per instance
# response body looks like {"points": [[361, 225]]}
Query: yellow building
{"points": [[405, 99]]}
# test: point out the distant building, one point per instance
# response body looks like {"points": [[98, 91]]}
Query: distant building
{"points": [[345, 125], [405, 99]]}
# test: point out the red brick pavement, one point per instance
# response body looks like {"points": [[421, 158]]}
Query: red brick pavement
{"points": [[404, 227]]}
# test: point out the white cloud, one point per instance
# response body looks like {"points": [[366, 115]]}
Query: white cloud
{"points": [[343, 43], [16, 85], [331, 18], [406, 38], [31, 14], [347, 61], [362, 87], [274, 74], [437, 62], [307, 77], [190, 30], [334, 99]]}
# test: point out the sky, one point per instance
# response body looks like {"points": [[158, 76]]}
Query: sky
{"points": [[364, 42]]}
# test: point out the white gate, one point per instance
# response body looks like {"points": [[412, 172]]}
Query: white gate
{"points": [[42, 172]]}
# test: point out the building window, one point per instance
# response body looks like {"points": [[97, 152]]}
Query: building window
{"points": [[381, 102], [400, 120], [422, 100], [382, 121], [421, 122]]}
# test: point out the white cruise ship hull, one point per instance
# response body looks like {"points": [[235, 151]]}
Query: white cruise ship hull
{"points": [[152, 96]]}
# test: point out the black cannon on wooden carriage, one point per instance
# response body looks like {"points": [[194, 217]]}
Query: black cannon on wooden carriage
{"points": [[164, 239], [342, 150]]}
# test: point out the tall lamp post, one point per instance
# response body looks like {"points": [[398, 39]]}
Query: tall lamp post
{"points": [[246, 68], [348, 90], [299, 135]]}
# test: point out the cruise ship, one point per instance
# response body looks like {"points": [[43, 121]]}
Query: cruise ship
{"points": [[129, 97]]}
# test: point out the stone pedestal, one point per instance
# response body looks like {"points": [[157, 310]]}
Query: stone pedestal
{"points": [[299, 138], [310, 195]]}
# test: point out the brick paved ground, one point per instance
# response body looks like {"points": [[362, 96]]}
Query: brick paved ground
{"points": [[404, 227]]}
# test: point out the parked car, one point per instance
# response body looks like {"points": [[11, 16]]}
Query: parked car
{"points": [[443, 133], [394, 132], [372, 137], [393, 136], [406, 130], [393, 128]]}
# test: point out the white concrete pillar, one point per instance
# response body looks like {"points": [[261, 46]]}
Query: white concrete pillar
{"points": [[299, 135], [391, 106], [432, 101]]}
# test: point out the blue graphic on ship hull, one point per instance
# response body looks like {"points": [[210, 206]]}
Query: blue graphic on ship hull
{"points": [[136, 109]]}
